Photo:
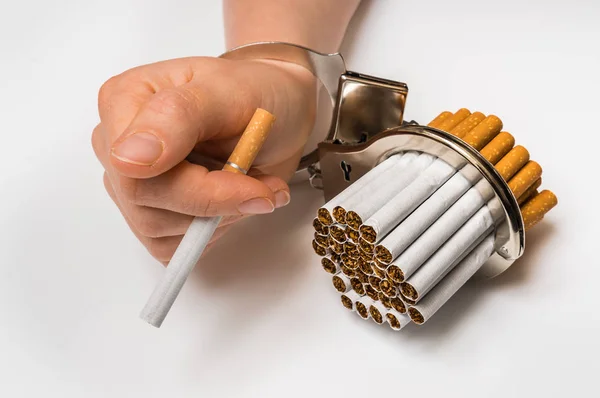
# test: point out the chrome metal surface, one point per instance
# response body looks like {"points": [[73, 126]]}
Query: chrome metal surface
{"points": [[510, 231], [366, 106]]}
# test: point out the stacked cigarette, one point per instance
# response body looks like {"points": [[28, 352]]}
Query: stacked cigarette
{"points": [[401, 240]]}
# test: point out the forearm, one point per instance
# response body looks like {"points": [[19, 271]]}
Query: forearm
{"points": [[317, 24]]}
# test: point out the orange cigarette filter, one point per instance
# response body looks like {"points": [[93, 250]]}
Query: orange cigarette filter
{"points": [[535, 209], [439, 119], [484, 132], [251, 142], [467, 125], [514, 160], [452, 121], [525, 178], [498, 147], [530, 192]]}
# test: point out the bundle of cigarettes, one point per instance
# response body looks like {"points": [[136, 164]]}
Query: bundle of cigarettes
{"points": [[405, 237]]}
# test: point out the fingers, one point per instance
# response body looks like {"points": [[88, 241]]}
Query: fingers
{"points": [[163, 247], [173, 120]]}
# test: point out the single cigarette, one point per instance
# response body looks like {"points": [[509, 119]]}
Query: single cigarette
{"points": [[396, 320], [525, 178], [441, 293], [448, 255], [467, 125], [202, 229], [358, 287], [322, 240], [406, 171], [352, 234], [439, 119], [377, 312], [385, 300], [443, 228], [512, 162], [451, 122], [365, 266], [388, 288], [406, 201], [535, 208], [375, 281], [484, 132], [418, 221], [497, 148], [341, 283], [320, 250], [398, 304], [371, 292], [330, 266], [324, 214], [320, 228], [348, 299], [362, 307], [351, 249], [530, 192], [349, 261]]}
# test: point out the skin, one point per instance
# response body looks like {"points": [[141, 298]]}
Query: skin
{"points": [[153, 117]]}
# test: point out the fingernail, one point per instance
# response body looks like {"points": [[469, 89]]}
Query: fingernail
{"points": [[142, 149], [282, 198], [256, 206]]}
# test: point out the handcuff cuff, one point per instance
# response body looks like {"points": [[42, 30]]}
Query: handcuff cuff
{"points": [[367, 126]]}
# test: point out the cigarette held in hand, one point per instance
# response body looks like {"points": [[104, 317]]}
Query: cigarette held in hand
{"points": [[202, 229]]}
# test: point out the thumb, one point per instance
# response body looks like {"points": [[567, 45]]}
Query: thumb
{"points": [[172, 121]]}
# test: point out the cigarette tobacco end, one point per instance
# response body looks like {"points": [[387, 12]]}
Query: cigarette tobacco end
{"points": [[328, 265], [361, 310], [319, 227], [368, 233], [375, 281], [409, 291], [351, 249], [353, 220], [372, 293], [349, 272], [385, 300], [347, 302], [398, 305], [365, 266], [367, 247], [357, 286], [383, 254], [337, 233], [322, 240], [416, 316], [393, 321], [352, 234], [395, 273], [320, 250], [349, 261], [324, 216], [375, 315], [339, 284], [339, 213], [388, 288]]}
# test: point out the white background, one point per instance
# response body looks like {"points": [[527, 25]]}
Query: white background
{"points": [[259, 317]]}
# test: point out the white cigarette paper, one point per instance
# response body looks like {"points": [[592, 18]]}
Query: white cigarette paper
{"points": [[439, 232], [184, 259], [455, 279], [402, 174], [362, 182], [408, 199], [451, 252]]}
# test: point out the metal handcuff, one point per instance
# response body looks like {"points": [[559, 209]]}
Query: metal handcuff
{"points": [[368, 126]]}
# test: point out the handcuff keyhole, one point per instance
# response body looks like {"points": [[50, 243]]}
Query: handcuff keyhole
{"points": [[346, 168]]}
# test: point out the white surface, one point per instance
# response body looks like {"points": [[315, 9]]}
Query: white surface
{"points": [[263, 319]]}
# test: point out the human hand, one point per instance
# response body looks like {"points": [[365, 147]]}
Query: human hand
{"points": [[154, 117]]}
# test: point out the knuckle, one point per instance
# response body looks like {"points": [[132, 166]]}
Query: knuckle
{"points": [[170, 102]]}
